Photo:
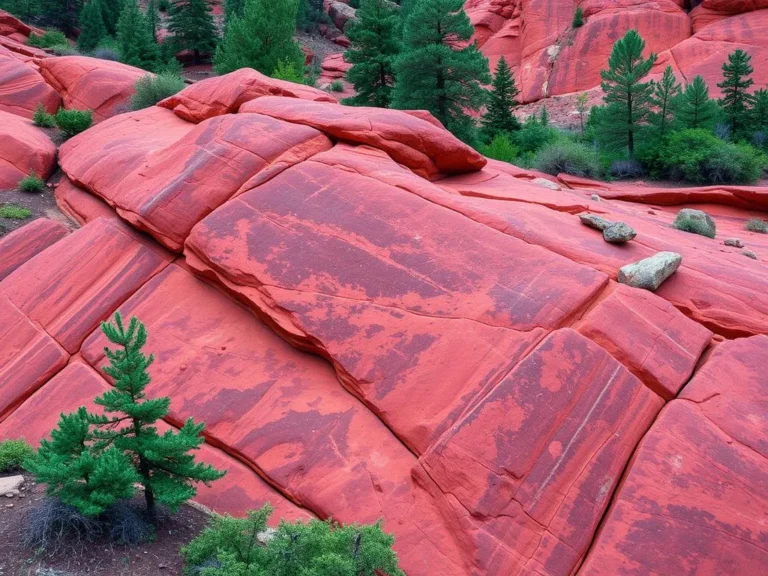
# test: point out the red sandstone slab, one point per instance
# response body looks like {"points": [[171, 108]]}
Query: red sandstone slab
{"points": [[534, 464], [176, 187], [24, 149], [22, 88], [420, 145], [284, 412], [390, 287], [101, 158], [731, 390], [84, 83], [653, 339], [28, 357], [23, 243], [73, 285], [693, 501], [79, 205], [225, 94]]}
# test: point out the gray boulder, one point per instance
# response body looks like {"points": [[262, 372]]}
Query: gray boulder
{"points": [[650, 273], [749, 254], [696, 222], [595, 221], [619, 233], [734, 242]]}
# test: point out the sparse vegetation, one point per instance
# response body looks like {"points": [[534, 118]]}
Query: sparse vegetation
{"points": [[578, 17], [237, 547], [337, 86], [41, 118], [14, 212], [72, 122], [49, 39], [569, 158], [500, 148], [149, 90], [13, 454], [32, 183], [695, 222]]}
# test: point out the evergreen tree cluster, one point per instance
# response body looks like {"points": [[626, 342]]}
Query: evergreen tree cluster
{"points": [[94, 460]]}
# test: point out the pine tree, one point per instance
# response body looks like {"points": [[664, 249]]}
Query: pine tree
{"points": [[375, 44], [759, 120], [75, 475], [110, 13], [234, 8], [152, 18], [191, 27], [736, 101], [92, 29], [166, 468], [63, 14], [582, 109], [499, 118], [134, 38], [628, 99], [261, 38], [434, 73], [665, 95], [695, 109], [544, 116]]}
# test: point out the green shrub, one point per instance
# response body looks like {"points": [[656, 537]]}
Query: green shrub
{"points": [[286, 70], [149, 90], [700, 157], [500, 148], [72, 122], [13, 453], [32, 183], [14, 212], [337, 86], [695, 222], [48, 39], [569, 158], [757, 225], [533, 136], [578, 18], [233, 547], [64, 50], [42, 118]]}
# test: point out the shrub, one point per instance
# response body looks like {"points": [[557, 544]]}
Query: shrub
{"points": [[757, 225], [695, 222], [337, 86], [149, 90], [700, 157], [32, 183], [230, 546], [533, 136], [42, 118], [14, 212], [104, 53], [569, 158], [72, 122], [13, 453], [723, 131], [48, 524], [629, 168], [578, 18], [48, 39], [760, 140], [286, 70], [64, 50], [500, 148]]}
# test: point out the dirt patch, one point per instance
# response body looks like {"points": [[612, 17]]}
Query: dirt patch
{"points": [[97, 558], [40, 204]]}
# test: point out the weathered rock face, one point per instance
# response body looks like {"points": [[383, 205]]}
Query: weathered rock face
{"points": [[91, 84], [374, 321], [24, 149], [551, 57], [22, 88]]}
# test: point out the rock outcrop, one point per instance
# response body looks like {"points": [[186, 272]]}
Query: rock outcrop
{"points": [[376, 322]]}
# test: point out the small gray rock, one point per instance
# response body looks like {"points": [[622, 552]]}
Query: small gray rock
{"points": [[619, 233], [9, 486], [596, 198], [544, 183], [696, 222], [749, 254], [735, 242], [651, 272], [595, 221]]}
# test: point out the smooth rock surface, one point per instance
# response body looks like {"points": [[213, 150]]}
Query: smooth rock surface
{"points": [[22, 244], [22, 88], [651, 272], [24, 149]]}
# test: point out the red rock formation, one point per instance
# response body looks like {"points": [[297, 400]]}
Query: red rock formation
{"points": [[103, 86], [24, 149], [21, 245], [22, 88]]}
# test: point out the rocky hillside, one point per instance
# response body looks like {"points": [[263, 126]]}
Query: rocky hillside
{"points": [[374, 321], [552, 57]]}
